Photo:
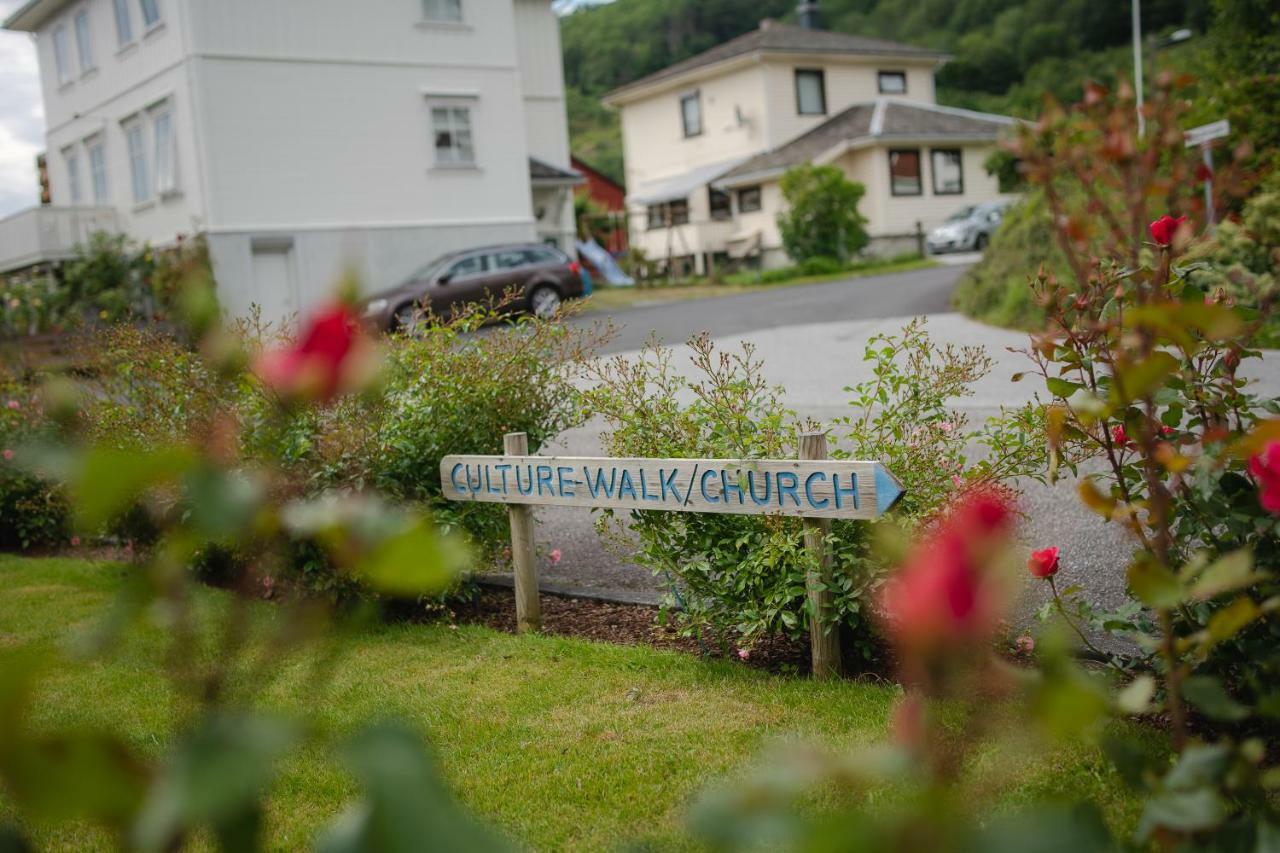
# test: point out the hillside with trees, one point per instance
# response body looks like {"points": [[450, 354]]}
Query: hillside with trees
{"points": [[1007, 53]]}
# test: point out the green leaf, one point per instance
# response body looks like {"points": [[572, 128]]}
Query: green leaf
{"points": [[1182, 811], [406, 803], [1229, 572], [1135, 381], [1154, 585], [1061, 387], [108, 481], [1136, 696], [420, 561], [1227, 622], [215, 777], [1208, 694]]}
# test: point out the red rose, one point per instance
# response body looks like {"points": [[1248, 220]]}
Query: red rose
{"points": [[1265, 468], [1203, 173], [1118, 436], [942, 595], [323, 362], [1044, 563], [1163, 229]]}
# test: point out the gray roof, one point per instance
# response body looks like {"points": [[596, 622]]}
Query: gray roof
{"points": [[883, 119], [545, 172], [774, 37]]}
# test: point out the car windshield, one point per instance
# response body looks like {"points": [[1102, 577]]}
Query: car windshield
{"points": [[960, 215], [427, 270]]}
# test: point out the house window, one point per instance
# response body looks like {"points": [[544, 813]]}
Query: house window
{"points": [[442, 10], [904, 172], [73, 175], [124, 23], [84, 45], [720, 203], [165, 150], [811, 92], [97, 169], [150, 13], [892, 82], [657, 216], [691, 114], [135, 138], [749, 200], [451, 129], [679, 211], [948, 171], [60, 56]]}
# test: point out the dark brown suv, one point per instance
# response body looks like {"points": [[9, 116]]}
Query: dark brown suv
{"points": [[544, 275]]}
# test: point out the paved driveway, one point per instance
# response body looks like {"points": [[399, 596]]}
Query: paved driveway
{"points": [[811, 341]]}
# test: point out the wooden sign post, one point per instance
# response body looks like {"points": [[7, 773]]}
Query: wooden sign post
{"points": [[812, 487]]}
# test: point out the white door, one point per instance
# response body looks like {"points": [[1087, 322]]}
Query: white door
{"points": [[274, 288]]}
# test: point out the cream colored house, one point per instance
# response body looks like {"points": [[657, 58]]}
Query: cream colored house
{"points": [[705, 142]]}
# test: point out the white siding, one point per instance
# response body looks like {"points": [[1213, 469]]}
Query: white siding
{"points": [[542, 81]]}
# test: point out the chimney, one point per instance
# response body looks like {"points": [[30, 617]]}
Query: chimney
{"points": [[807, 12]]}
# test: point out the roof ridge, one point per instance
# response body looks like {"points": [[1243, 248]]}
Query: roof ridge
{"points": [[948, 110]]}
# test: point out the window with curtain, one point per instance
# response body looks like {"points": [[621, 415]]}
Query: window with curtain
{"points": [[442, 10], [84, 41], [124, 23], [657, 216], [749, 200], [61, 58], [811, 92], [150, 12], [451, 130], [904, 172], [720, 204], [947, 166], [139, 173], [679, 214], [73, 175], [97, 169], [691, 114]]}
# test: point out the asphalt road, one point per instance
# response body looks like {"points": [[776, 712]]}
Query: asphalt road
{"points": [[811, 339], [898, 295]]}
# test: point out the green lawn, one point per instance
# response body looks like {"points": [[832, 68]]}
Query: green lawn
{"points": [[564, 744], [614, 298]]}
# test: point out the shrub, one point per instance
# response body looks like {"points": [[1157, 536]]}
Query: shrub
{"points": [[743, 577], [820, 266], [33, 510], [821, 219]]}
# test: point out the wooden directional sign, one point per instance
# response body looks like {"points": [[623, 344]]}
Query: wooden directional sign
{"points": [[813, 488], [1207, 133]]}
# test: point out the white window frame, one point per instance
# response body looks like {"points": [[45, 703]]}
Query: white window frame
{"points": [[467, 106], [141, 184], [886, 73], [84, 40], [98, 168], [75, 187], [61, 53], [157, 21], [696, 98], [124, 23], [164, 165], [441, 11]]}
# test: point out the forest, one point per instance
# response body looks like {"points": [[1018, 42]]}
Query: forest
{"points": [[1007, 54]]}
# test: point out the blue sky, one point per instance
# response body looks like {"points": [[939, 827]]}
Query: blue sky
{"points": [[21, 118]]}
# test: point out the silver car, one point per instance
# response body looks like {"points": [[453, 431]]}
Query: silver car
{"points": [[969, 229]]}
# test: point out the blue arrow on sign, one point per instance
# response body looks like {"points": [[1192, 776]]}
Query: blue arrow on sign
{"points": [[888, 489]]}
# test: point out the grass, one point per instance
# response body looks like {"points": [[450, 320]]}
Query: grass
{"points": [[563, 744], [616, 298]]}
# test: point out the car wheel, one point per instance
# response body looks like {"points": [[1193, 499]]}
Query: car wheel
{"points": [[980, 243], [406, 319], [544, 302]]}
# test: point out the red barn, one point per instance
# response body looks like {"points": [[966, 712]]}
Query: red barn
{"points": [[609, 194]]}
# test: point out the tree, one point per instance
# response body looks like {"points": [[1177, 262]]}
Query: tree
{"points": [[821, 219]]}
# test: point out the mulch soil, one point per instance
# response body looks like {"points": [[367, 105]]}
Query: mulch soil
{"points": [[627, 624]]}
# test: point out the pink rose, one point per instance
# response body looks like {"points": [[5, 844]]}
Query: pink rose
{"points": [[555, 556], [743, 654], [75, 541], [1025, 644], [321, 363], [1265, 468], [14, 405], [8, 454]]}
